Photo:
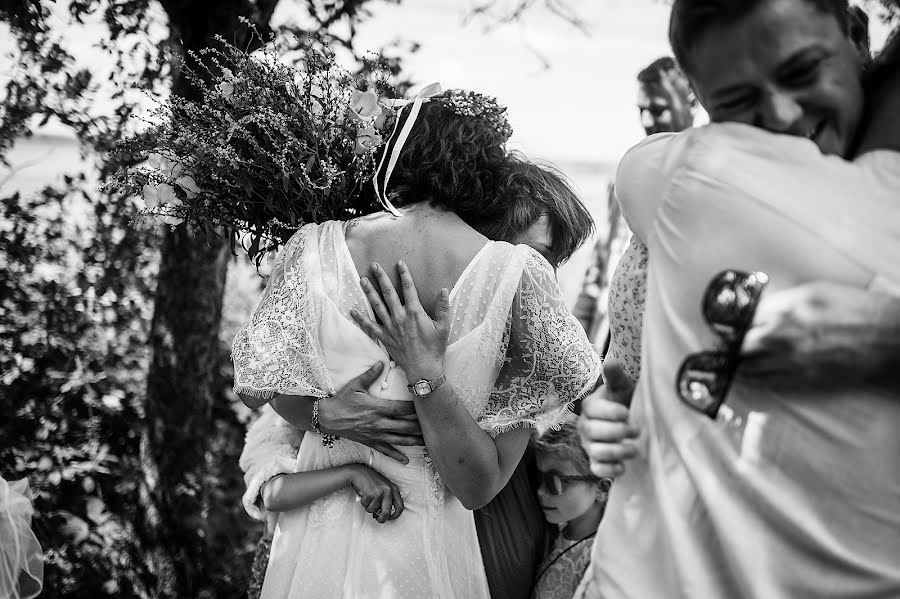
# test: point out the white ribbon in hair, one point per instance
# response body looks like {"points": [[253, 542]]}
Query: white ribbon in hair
{"points": [[424, 95]]}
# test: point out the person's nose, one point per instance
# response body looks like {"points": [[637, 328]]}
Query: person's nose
{"points": [[647, 120], [780, 112]]}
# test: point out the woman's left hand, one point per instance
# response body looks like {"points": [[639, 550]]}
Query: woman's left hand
{"points": [[412, 339]]}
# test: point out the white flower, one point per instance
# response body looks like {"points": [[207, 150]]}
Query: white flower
{"points": [[364, 106], [165, 193], [226, 88], [172, 220], [190, 187], [380, 120], [156, 160], [166, 167], [156, 195], [367, 140], [151, 200], [266, 266]]}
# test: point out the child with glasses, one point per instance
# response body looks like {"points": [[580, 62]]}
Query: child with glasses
{"points": [[573, 499]]}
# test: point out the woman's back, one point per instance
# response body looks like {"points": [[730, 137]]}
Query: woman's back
{"points": [[435, 243], [516, 358]]}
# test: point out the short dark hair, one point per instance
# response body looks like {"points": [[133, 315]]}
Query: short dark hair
{"points": [[690, 19], [528, 191], [451, 160], [652, 73]]}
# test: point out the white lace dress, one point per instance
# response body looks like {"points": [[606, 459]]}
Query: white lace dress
{"points": [[516, 358]]}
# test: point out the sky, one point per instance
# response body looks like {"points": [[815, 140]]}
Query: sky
{"points": [[570, 93]]}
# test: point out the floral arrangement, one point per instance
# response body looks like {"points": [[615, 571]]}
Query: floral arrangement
{"points": [[265, 148]]}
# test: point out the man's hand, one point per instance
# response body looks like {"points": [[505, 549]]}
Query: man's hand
{"points": [[605, 433], [823, 334], [380, 424]]}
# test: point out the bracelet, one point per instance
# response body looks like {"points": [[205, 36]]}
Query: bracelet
{"points": [[327, 440]]}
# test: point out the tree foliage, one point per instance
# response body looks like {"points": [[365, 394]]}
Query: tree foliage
{"points": [[114, 398]]}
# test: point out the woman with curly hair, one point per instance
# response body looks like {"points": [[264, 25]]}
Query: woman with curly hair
{"points": [[476, 345]]}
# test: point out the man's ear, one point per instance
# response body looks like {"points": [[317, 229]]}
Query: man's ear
{"points": [[858, 29]]}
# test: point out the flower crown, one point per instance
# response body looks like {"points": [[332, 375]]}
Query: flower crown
{"points": [[473, 104], [367, 110]]}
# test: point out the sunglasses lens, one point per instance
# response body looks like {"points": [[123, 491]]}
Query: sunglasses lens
{"points": [[704, 380], [730, 301], [551, 483]]}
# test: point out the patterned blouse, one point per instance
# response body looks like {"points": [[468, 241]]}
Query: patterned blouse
{"points": [[561, 571], [627, 294]]}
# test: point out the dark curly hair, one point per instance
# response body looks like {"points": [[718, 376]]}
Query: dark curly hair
{"points": [[451, 160]]}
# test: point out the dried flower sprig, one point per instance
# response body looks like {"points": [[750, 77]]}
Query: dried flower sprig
{"points": [[267, 147]]}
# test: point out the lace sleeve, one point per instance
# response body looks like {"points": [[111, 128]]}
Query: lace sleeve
{"points": [[270, 448], [278, 351], [549, 361]]}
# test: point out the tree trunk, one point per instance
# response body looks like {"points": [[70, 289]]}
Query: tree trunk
{"points": [[184, 341], [184, 338]]}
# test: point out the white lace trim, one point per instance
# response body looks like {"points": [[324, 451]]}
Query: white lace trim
{"points": [[278, 350], [549, 363]]}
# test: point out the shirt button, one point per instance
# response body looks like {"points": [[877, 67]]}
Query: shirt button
{"points": [[392, 364], [384, 384]]}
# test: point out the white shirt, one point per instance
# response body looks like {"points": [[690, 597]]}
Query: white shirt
{"points": [[800, 495]]}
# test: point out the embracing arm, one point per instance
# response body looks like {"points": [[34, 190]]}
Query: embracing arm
{"points": [[356, 415], [825, 334], [270, 449], [379, 496], [472, 465], [292, 490]]}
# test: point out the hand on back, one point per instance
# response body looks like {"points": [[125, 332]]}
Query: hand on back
{"points": [[815, 335], [412, 339], [355, 414]]}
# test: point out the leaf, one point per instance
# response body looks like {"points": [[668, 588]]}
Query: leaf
{"points": [[75, 528], [96, 510]]}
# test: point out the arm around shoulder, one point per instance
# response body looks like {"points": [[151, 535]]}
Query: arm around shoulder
{"points": [[825, 334]]}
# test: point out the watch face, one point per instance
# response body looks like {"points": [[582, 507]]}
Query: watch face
{"points": [[422, 388]]}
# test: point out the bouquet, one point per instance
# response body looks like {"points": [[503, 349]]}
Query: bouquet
{"points": [[266, 148]]}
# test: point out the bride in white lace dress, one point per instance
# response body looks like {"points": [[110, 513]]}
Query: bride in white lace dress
{"points": [[512, 356]]}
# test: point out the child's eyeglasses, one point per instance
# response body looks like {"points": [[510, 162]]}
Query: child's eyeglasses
{"points": [[728, 306], [556, 483]]}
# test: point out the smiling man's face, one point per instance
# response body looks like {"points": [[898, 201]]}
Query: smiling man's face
{"points": [[787, 67]]}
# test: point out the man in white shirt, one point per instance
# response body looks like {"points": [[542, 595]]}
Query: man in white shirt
{"points": [[797, 494]]}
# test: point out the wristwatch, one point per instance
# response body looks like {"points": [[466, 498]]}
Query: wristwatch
{"points": [[424, 387]]}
